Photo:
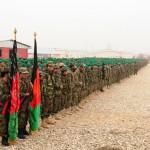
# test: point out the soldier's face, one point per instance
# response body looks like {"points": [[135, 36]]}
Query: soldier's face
{"points": [[41, 78], [2, 63], [65, 73], [55, 70], [8, 75], [24, 75], [50, 68]]}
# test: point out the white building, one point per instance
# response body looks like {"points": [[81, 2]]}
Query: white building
{"points": [[65, 53], [110, 54]]}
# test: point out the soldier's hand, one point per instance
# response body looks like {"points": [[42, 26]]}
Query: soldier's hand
{"points": [[81, 84], [61, 86], [27, 94]]}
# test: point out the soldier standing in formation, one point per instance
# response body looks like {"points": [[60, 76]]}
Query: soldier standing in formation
{"points": [[4, 98], [25, 98], [62, 89]]}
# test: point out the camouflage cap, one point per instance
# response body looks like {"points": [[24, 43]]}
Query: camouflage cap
{"points": [[56, 66], [50, 63], [64, 69], [23, 70], [62, 65], [42, 73], [74, 67], [71, 64], [82, 65]]}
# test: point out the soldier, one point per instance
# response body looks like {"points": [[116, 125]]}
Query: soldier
{"points": [[66, 89], [78, 85], [49, 68], [56, 78], [101, 81], [4, 98], [25, 97], [48, 99], [43, 104], [90, 79], [71, 85], [2, 66], [118, 72], [135, 68], [50, 89], [82, 78]]}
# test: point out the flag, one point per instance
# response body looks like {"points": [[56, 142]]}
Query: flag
{"points": [[35, 103], [15, 97]]}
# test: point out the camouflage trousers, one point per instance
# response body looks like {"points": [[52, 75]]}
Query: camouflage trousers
{"points": [[95, 86], [92, 87], [100, 84], [4, 124], [63, 100], [135, 71], [82, 94], [69, 99], [75, 98], [89, 88], [57, 103], [23, 117], [47, 107]]}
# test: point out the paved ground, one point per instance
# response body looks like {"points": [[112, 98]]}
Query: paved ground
{"points": [[117, 119]]}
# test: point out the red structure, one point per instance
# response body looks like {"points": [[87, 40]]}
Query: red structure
{"points": [[6, 49]]}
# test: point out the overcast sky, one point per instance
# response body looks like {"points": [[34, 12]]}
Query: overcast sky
{"points": [[79, 24]]}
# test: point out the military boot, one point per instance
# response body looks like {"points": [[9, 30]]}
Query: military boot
{"points": [[25, 132], [20, 134], [44, 124], [50, 121], [72, 109], [76, 108], [5, 141], [57, 117], [101, 90], [80, 106], [63, 112], [69, 111]]}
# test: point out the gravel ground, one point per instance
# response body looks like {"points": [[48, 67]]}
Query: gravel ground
{"points": [[117, 119]]}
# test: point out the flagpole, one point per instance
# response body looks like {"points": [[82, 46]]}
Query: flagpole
{"points": [[15, 32], [35, 35]]}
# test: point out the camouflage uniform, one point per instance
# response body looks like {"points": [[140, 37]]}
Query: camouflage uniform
{"points": [[90, 80], [23, 115], [82, 78], [135, 68], [70, 88], [49, 95], [4, 96], [66, 89], [46, 95], [56, 78]]}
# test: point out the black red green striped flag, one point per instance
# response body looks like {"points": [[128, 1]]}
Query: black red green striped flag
{"points": [[15, 96], [35, 103]]}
